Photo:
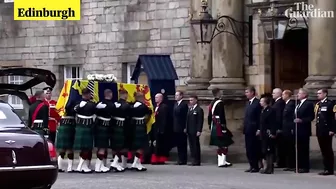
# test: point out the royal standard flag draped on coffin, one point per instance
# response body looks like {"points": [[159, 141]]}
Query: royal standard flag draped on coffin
{"points": [[72, 90]]}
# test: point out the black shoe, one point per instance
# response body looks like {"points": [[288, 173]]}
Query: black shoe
{"points": [[279, 166], [195, 164], [326, 173], [266, 172], [181, 163], [289, 169], [303, 171], [254, 170], [248, 170]]}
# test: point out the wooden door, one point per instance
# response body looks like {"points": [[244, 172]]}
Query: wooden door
{"points": [[291, 60]]}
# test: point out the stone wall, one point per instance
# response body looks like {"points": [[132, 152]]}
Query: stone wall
{"points": [[109, 33]]}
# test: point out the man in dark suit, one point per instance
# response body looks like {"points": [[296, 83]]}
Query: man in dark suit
{"points": [[194, 128], [278, 107], [304, 115], [160, 155], [180, 118], [325, 129], [287, 131], [251, 125]]}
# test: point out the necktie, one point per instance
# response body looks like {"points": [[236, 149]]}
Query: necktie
{"points": [[298, 106]]}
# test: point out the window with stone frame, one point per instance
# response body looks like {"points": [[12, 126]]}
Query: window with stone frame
{"points": [[73, 72], [127, 71], [15, 101]]}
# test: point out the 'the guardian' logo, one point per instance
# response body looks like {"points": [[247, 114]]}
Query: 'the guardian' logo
{"points": [[45, 13]]}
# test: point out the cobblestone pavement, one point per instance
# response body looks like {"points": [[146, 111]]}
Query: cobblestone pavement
{"points": [[186, 177]]}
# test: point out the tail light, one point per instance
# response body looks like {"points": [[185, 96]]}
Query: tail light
{"points": [[52, 151]]}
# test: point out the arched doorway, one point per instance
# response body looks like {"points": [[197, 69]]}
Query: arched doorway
{"points": [[291, 60]]}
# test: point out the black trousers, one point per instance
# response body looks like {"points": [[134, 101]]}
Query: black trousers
{"points": [[195, 148], [325, 143], [52, 136], [269, 167], [161, 145], [253, 150], [181, 144], [289, 142], [303, 146], [280, 150]]}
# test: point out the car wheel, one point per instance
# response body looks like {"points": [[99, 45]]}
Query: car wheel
{"points": [[47, 187]]}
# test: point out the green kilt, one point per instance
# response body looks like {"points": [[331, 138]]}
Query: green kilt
{"points": [[65, 134], [118, 135], [140, 137], [102, 134], [220, 141], [83, 137]]}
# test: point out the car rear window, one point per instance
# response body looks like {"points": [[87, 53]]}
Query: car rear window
{"points": [[8, 117]]}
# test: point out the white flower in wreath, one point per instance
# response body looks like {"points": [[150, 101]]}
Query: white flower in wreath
{"points": [[110, 77], [106, 77], [99, 77], [90, 77]]}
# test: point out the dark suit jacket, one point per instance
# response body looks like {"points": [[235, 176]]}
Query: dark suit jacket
{"points": [[180, 116], [288, 125], [252, 117], [161, 118], [278, 108], [306, 113], [195, 120]]}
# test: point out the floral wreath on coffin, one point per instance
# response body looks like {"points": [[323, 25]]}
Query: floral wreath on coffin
{"points": [[102, 77]]}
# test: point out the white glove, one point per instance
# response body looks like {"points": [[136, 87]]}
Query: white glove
{"points": [[100, 105], [117, 104], [154, 143], [137, 104], [82, 104]]}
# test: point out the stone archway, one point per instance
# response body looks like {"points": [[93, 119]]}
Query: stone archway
{"points": [[291, 60]]}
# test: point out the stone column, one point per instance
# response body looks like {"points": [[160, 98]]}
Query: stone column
{"points": [[322, 45], [201, 71], [227, 55]]}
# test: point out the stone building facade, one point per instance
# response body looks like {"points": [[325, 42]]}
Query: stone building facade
{"points": [[112, 33], [108, 38]]}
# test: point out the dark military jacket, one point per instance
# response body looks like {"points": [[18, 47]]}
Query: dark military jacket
{"points": [[218, 111], [122, 109], [42, 114], [89, 109], [325, 117], [106, 112]]}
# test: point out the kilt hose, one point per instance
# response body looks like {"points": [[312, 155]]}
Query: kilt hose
{"points": [[220, 141], [102, 134], [118, 135], [83, 137], [140, 137], [65, 135]]}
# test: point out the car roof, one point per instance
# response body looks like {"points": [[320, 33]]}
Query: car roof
{"points": [[4, 104]]}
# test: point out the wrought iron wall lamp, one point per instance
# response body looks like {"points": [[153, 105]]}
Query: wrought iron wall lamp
{"points": [[207, 28]]}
